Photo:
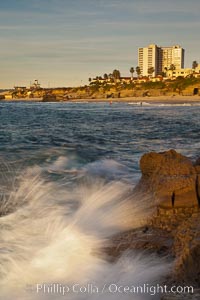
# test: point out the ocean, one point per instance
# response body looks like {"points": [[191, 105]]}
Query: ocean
{"points": [[67, 172]]}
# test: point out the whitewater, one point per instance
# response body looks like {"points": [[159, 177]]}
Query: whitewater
{"points": [[66, 186]]}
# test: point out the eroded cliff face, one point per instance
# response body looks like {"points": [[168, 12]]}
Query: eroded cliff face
{"points": [[166, 173], [171, 231], [187, 250], [173, 182]]}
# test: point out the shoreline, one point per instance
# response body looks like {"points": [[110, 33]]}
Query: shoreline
{"points": [[156, 99]]}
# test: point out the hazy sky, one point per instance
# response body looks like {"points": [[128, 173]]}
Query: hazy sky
{"points": [[64, 42]]}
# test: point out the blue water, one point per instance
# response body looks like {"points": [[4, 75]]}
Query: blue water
{"points": [[40, 133]]}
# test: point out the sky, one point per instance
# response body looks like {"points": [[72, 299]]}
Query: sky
{"points": [[64, 42]]}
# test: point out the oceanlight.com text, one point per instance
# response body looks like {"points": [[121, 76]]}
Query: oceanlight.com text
{"points": [[112, 288]]}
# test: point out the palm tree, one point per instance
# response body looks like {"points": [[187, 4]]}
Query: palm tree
{"points": [[116, 74], [110, 75], [172, 67], [194, 64], [105, 76], [138, 71], [151, 70], [165, 72], [132, 70]]}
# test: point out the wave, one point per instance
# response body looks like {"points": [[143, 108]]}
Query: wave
{"points": [[108, 169], [50, 233], [143, 103]]}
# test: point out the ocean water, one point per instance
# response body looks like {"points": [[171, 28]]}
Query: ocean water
{"points": [[67, 171]]}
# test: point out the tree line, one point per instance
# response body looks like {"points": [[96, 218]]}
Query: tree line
{"points": [[117, 75]]}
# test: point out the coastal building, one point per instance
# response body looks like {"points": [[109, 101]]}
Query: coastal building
{"points": [[148, 57], [19, 88], [160, 59], [172, 56], [179, 72], [36, 85]]}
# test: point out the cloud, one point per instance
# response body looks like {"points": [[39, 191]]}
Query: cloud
{"points": [[90, 35], [152, 6]]}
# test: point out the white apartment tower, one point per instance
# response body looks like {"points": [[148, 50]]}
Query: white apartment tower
{"points": [[160, 58], [172, 55], [147, 58]]}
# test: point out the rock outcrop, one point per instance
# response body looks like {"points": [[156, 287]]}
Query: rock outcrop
{"points": [[187, 251], [173, 182], [173, 230], [166, 173]]}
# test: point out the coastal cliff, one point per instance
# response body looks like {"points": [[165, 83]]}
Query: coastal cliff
{"points": [[104, 89], [171, 182], [166, 173]]}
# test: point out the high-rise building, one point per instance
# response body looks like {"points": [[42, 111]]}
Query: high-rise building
{"points": [[147, 58], [172, 56], [160, 58]]}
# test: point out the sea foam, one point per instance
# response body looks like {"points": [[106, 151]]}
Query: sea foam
{"points": [[51, 234]]}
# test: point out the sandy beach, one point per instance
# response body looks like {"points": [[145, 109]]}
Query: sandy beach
{"points": [[156, 99], [159, 99]]}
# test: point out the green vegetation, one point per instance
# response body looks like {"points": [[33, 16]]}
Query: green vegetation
{"points": [[172, 67], [112, 83], [153, 85], [132, 70], [138, 71], [194, 64], [116, 74], [150, 71], [182, 83], [128, 86]]}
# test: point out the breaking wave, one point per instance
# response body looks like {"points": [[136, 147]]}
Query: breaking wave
{"points": [[51, 233]]}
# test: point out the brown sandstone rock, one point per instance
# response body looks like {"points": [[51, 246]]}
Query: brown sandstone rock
{"points": [[165, 173], [187, 251], [197, 162], [172, 231]]}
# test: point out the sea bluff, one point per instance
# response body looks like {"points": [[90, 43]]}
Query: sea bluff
{"points": [[141, 101], [172, 183], [179, 89]]}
